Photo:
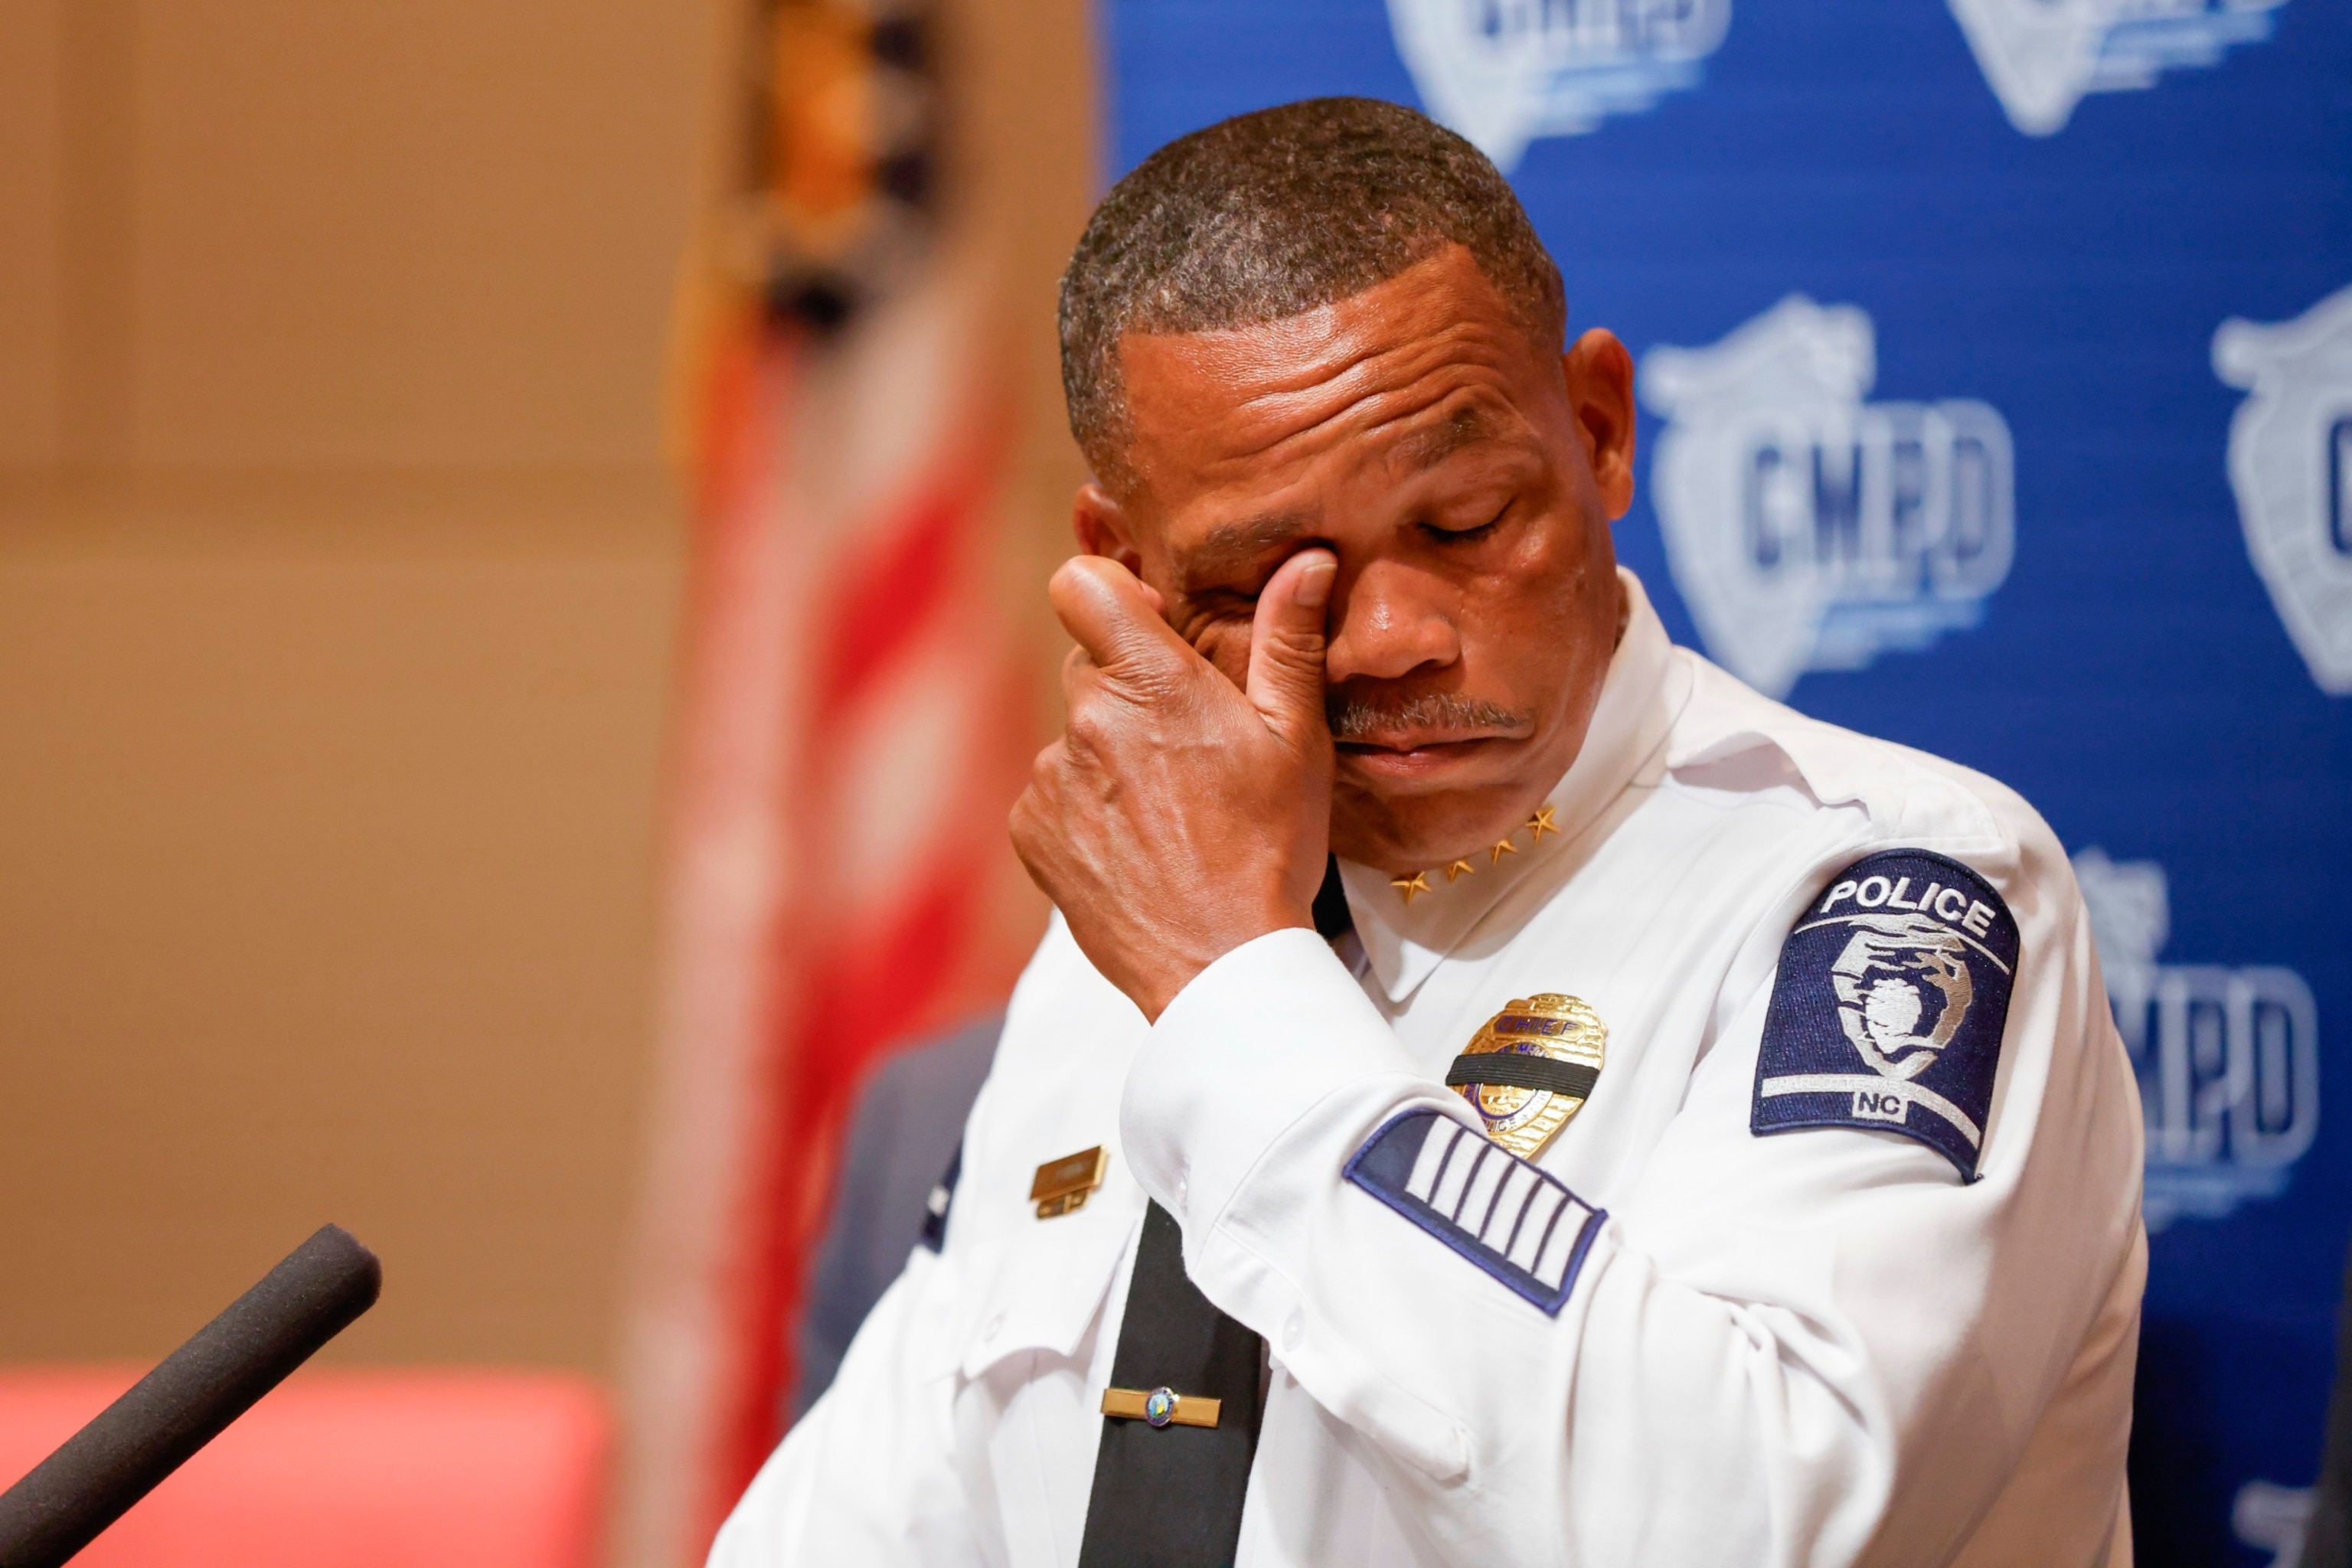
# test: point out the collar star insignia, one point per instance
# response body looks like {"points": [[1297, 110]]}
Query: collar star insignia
{"points": [[1413, 886]]}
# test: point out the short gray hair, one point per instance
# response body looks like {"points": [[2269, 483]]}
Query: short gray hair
{"points": [[1270, 215]]}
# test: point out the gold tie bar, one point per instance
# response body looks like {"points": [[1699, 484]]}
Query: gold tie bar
{"points": [[1160, 1407]]}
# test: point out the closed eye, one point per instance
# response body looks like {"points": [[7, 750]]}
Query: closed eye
{"points": [[1222, 603], [1445, 535]]}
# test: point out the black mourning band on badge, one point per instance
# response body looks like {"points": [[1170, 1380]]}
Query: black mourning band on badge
{"points": [[1510, 1069]]}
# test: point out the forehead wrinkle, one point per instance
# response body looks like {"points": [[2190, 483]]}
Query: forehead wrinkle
{"points": [[1425, 443], [1293, 394], [1377, 407], [1322, 382]]}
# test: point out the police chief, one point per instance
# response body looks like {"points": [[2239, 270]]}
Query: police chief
{"points": [[1496, 1090]]}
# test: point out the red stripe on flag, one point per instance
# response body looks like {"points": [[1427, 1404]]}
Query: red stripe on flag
{"points": [[887, 601], [803, 959], [868, 993], [891, 592], [870, 988]]}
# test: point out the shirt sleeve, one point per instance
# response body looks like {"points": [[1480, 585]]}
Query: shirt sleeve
{"points": [[868, 1475], [1827, 1347]]}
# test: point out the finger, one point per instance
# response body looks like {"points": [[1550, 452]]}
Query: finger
{"points": [[1079, 673], [1116, 619], [1034, 816], [1286, 643]]}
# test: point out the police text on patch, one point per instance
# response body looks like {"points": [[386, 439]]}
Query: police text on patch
{"points": [[1889, 1004]]}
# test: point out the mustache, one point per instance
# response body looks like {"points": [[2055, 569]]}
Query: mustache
{"points": [[1353, 719]]}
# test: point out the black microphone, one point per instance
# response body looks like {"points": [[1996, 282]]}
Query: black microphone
{"points": [[131, 1446]]}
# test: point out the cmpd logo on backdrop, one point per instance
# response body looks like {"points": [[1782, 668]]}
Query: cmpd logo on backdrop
{"points": [[2228, 1057], [2291, 466], [1503, 72], [1806, 528], [2041, 57]]}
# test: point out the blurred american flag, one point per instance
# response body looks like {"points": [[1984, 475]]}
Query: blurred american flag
{"points": [[856, 717]]}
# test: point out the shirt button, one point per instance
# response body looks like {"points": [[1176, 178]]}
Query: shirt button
{"points": [[995, 1327], [1294, 1328]]}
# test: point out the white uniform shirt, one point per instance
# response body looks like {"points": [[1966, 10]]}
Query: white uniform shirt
{"points": [[1821, 1346]]}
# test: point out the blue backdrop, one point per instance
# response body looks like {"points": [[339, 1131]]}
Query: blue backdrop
{"points": [[1998, 401]]}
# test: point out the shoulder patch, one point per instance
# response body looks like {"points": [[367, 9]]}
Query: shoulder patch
{"points": [[1519, 1224], [1888, 1007]]}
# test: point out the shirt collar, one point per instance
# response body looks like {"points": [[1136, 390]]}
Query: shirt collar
{"points": [[1645, 688]]}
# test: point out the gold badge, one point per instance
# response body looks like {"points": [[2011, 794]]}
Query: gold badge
{"points": [[1531, 1068], [1062, 1186]]}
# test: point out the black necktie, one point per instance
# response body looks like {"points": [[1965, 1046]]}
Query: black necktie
{"points": [[1170, 1496]]}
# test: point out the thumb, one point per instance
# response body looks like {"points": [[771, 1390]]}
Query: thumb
{"points": [[1286, 643], [1115, 618]]}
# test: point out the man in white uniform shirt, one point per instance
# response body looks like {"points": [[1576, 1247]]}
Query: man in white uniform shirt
{"points": [[1496, 1090]]}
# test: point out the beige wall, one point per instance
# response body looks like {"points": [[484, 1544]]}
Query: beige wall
{"points": [[339, 569]]}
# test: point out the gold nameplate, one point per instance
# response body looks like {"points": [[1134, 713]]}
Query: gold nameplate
{"points": [[1525, 1103], [1062, 1186], [1162, 1407]]}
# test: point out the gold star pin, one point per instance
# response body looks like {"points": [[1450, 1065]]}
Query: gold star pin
{"points": [[1460, 868], [1410, 886], [1502, 846], [1541, 824]]}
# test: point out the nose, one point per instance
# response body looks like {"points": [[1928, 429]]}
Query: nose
{"points": [[1389, 622]]}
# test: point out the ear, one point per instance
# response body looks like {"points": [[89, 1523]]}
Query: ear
{"points": [[1601, 390], [1103, 527]]}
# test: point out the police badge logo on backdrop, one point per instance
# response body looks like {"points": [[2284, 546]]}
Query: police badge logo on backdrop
{"points": [[1809, 529], [1888, 1007], [2041, 57], [2291, 466], [1505, 72], [2228, 1054]]}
